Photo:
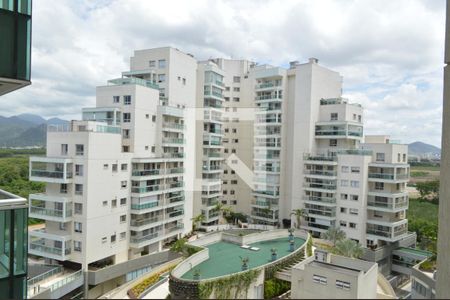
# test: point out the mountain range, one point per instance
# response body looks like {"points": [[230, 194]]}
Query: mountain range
{"points": [[25, 130], [424, 150]]}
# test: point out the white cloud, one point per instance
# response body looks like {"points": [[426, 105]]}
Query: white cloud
{"points": [[389, 52]]}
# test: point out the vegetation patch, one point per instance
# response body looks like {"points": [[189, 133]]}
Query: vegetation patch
{"points": [[423, 219], [275, 287], [419, 174], [229, 287], [136, 291]]}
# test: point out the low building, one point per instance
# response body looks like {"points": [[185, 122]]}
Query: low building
{"points": [[13, 246], [423, 282], [328, 276]]}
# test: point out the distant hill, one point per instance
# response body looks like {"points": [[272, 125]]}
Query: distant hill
{"points": [[424, 150], [25, 130]]}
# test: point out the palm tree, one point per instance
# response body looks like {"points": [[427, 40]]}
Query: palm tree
{"points": [[223, 211], [197, 220], [349, 248], [299, 213], [333, 234]]}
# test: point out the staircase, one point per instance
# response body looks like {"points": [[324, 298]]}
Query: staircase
{"points": [[286, 273]]}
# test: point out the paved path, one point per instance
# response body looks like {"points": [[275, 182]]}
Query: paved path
{"points": [[160, 292]]}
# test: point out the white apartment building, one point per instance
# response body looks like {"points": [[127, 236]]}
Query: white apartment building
{"points": [[115, 180]]}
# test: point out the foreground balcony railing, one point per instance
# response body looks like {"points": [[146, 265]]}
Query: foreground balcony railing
{"points": [[320, 172], [320, 199]]}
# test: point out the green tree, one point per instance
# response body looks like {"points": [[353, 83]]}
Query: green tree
{"points": [[333, 234], [348, 248], [299, 213], [429, 190], [197, 220], [223, 211]]}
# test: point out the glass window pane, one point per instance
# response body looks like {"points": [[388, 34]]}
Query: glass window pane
{"points": [[5, 219], [20, 240]]}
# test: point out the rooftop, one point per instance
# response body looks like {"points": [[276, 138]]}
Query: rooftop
{"points": [[224, 257]]}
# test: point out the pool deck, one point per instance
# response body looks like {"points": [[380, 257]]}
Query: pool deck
{"points": [[224, 257]]}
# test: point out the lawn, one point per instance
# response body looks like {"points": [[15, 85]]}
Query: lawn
{"points": [[423, 210], [425, 168]]}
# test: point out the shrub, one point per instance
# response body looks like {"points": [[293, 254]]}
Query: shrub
{"points": [[139, 288], [275, 287]]}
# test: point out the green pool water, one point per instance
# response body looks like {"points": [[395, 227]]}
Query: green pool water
{"points": [[224, 257]]}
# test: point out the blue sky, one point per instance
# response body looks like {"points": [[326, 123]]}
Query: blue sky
{"points": [[389, 52]]}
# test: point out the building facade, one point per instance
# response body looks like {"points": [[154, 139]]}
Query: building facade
{"points": [[15, 49]]}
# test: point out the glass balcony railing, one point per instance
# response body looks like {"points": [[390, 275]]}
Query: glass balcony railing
{"points": [[319, 157], [147, 189], [320, 172], [173, 141], [50, 250], [148, 237], [173, 126], [51, 174], [175, 213], [144, 205], [142, 222], [50, 212], [147, 172], [320, 199]]}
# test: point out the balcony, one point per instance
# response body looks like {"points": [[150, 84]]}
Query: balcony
{"points": [[266, 193], [268, 98], [388, 174], [147, 189], [176, 141], [49, 245], [51, 208], [319, 211], [268, 85], [140, 240], [212, 168], [51, 169], [321, 200], [387, 204], [390, 232], [213, 94], [321, 186], [319, 172], [141, 223], [169, 126], [157, 172], [320, 159], [337, 129]]}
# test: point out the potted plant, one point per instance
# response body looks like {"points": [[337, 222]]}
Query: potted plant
{"points": [[196, 275], [274, 254], [291, 245], [244, 261]]}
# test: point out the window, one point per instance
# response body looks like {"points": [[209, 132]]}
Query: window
{"points": [[344, 196], [355, 197], [352, 225], [126, 117], [233, 181], [354, 183], [227, 88], [235, 141], [233, 202], [161, 77], [233, 172], [379, 186], [63, 188], [343, 223], [123, 201], [153, 149], [233, 151], [62, 226], [113, 238], [356, 169], [64, 149], [123, 235], [105, 166], [224, 202], [343, 210], [126, 133], [127, 100], [380, 156], [399, 156], [123, 167], [105, 203], [125, 148], [123, 218], [79, 170], [344, 169], [319, 279], [77, 227], [236, 79], [114, 167], [79, 149], [354, 117], [227, 99], [353, 211], [236, 99], [147, 116], [225, 171], [226, 130], [225, 150], [184, 81], [78, 208], [78, 189], [114, 203], [343, 285], [104, 239], [123, 184], [152, 64], [153, 118], [344, 182], [225, 182], [234, 130], [236, 89], [116, 99], [161, 63], [333, 116], [359, 118], [77, 246], [232, 192], [404, 157], [333, 142]]}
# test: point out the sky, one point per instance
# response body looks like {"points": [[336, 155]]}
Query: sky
{"points": [[390, 53]]}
